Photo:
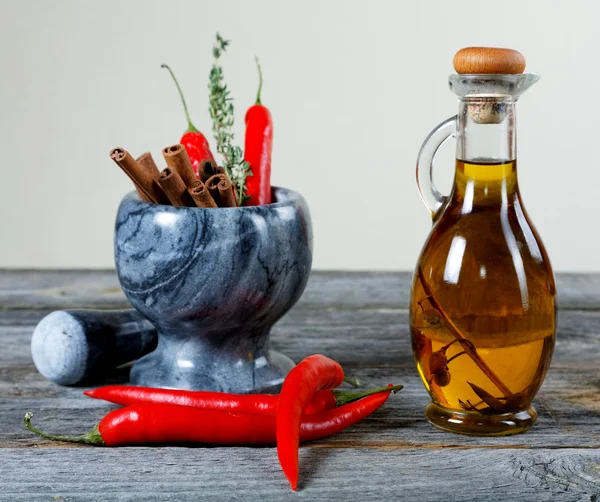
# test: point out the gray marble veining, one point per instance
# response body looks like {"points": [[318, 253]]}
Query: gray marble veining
{"points": [[213, 282]]}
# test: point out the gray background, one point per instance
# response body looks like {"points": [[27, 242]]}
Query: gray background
{"points": [[354, 88]]}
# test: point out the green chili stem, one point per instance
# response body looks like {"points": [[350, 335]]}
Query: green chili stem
{"points": [[191, 127], [342, 398], [92, 437], [260, 81], [352, 381]]}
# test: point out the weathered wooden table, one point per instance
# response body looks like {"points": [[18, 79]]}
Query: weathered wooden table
{"points": [[359, 319]]}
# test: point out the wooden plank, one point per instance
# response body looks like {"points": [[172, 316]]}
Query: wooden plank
{"points": [[353, 337], [59, 289], [372, 345], [344, 474], [568, 405], [21, 289], [569, 402]]}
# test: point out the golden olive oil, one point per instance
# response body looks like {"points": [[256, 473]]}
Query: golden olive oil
{"points": [[483, 306]]}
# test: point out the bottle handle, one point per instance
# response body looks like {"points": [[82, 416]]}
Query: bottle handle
{"points": [[431, 196]]}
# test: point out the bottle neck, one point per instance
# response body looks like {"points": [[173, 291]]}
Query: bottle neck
{"points": [[486, 130], [486, 172]]}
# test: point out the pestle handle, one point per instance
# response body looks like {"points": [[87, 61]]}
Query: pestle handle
{"points": [[71, 347], [488, 60]]}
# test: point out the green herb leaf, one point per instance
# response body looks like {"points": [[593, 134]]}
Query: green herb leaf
{"points": [[222, 115]]}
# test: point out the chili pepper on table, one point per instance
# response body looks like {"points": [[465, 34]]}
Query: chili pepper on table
{"points": [[258, 146], [126, 395], [151, 423], [194, 141], [310, 375]]}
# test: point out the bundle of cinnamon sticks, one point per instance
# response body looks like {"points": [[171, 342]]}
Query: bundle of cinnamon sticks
{"points": [[177, 184]]}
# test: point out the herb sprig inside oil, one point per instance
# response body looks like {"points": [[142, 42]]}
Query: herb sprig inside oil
{"points": [[222, 114]]}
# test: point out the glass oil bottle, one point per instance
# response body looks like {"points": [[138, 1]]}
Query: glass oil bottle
{"points": [[482, 309]]}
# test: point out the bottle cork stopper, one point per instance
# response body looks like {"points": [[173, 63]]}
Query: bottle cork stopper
{"points": [[488, 60]]}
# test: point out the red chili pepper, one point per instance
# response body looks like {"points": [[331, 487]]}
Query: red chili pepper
{"points": [[258, 146], [194, 141], [246, 403], [312, 374], [151, 423], [126, 395]]}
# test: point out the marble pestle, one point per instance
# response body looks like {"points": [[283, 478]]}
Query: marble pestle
{"points": [[75, 347]]}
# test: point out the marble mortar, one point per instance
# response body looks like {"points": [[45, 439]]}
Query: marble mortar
{"points": [[213, 282]]}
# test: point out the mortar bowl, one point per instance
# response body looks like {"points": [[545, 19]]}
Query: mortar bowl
{"points": [[214, 282]]}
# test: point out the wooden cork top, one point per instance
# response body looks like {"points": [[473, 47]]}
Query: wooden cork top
{"points": [[488, 60]]}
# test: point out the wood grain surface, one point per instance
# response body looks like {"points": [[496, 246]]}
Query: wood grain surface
{"points": [[359, 319], [488, 60]]}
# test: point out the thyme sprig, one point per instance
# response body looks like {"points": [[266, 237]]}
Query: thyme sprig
{"points": [[222, 114]]}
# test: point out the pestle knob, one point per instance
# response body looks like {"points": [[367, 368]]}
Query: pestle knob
{"points": [[488, 60], [71, 347]]}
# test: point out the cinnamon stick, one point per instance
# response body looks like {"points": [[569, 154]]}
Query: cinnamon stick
{"points": [[141, 192], [143, 178], [175, 188], [178, 159], [207, 169], [219, 187], [201, 195], [147, 162]]}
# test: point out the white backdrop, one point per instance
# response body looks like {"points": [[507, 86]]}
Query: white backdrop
{"points": [[354, 87]]}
